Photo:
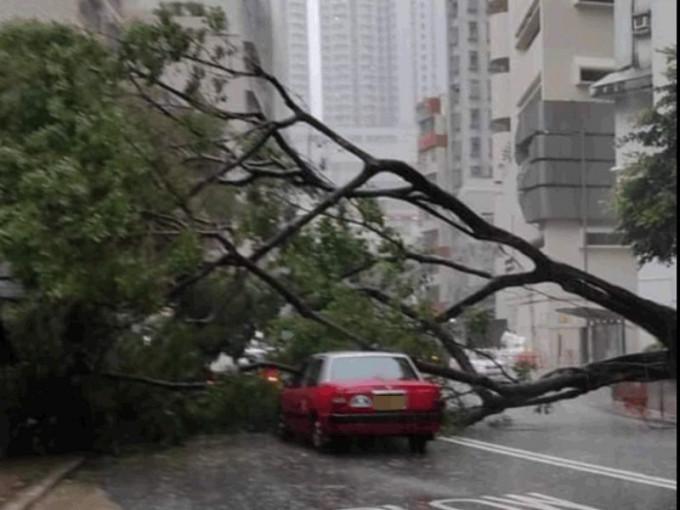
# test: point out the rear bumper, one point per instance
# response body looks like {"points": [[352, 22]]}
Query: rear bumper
{"points": [[384, 424]]}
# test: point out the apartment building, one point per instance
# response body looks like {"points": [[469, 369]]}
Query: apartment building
{"points": [[469, 129], [99, 15], [643, 29], [437, 236], [291, 61], [428, 43], [553, 155]]}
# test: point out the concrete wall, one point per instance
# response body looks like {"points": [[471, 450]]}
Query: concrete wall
{"points": [[64, 11]]}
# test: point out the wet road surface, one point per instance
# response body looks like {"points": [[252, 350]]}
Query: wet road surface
{"points": [[577, 458]]}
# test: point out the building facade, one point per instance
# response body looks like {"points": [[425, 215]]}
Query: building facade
{"points": [[644, 28], [553, 155], [367, 79], [469, 130], [428, 43], [291, 61], [103, 16]]}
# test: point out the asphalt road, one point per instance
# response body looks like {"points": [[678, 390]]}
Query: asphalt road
{"points": [[576, 458]]}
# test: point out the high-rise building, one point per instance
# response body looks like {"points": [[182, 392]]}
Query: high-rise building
{"points": [[367, 81], [98, 15], [250, 34], [428, 46], [437, 236], [469, 133], [643, 29], [553, 153], [291, 61], [359, 54]]}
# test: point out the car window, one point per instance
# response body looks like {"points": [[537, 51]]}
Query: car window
{"points": [[372, 367], [311, 375]]}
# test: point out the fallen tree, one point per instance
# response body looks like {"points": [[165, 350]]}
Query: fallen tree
{"points": [[238, 168], [234, 186]]}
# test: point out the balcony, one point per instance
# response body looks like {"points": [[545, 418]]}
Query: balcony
{"points": [[432, 141], [529, 28]]}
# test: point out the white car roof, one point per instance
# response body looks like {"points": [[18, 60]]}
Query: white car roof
{"points": [[360, 354]]}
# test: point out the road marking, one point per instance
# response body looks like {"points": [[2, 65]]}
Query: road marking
{"points": [[629, 476], [531, 501]]}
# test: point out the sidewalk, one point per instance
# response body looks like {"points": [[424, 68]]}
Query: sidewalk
{"points": [[24, 481], [603, 400]]}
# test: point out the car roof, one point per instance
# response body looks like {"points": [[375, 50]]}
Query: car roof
{"points": [[358, 354]]}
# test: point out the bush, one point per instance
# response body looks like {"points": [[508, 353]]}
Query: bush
{"points": [[46, 407]]}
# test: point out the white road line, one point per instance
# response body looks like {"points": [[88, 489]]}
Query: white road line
{"points": [[629, 476], [567, 461]]}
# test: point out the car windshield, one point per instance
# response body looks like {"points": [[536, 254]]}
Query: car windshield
{"points": [[372, 367]]}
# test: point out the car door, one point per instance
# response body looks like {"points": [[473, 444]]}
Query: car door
{"points": [[290, 397], [308, 394], [299, 397]]}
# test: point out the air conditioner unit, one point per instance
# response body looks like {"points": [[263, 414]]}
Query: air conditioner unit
{"points": [[642, 24]]}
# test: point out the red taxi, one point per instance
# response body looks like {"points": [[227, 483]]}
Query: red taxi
{"points": [[337, 396]]}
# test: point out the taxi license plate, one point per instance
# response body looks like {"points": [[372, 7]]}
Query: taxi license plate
{"points": [[389, 402]]}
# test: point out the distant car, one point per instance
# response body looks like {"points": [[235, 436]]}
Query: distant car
{"points": [[338, 396], [490, 366]]}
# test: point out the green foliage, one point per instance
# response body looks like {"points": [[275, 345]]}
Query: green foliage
{"points": [[75, 177], [646, 199], [316, 263]]}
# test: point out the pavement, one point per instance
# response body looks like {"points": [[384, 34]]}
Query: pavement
{"points": [[577, 458]]}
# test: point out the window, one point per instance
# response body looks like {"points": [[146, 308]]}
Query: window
{"points": [[475, 118], [372, 367], [474, 61], [501, 125], [498, 6], [475, 147], [455, 65], [453, 6], [312, 373], [605, 239], [455, 36], [591, 75], [499, 65], [475, 90], [481, 171], [426, 126], [473, 32], [473, 6], [455, 122]]}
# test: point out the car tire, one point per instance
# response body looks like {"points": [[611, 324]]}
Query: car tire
{"points": [[282, 429], [418, 444], [318, 438]]}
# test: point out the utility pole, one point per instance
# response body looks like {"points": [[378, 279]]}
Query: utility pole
{"points": [[584, 225]]}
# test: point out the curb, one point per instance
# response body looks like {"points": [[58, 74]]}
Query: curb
{"points": [[621, 413], [648, 415], [29, 496]]}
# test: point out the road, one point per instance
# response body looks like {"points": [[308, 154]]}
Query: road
{"points": [[577, 458]]}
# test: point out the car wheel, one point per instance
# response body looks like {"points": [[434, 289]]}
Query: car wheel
{"points": [[418, 444], [282, 429]]}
